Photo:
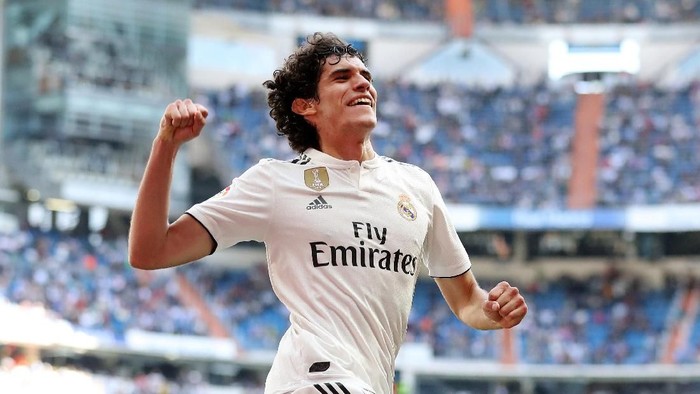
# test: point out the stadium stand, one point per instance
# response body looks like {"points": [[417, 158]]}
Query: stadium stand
{"points": [[485, 11], [484, 146], [93, 288], [506, 147]]}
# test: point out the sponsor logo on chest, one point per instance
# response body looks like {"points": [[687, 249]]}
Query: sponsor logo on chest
{"points": [[318, 203]]}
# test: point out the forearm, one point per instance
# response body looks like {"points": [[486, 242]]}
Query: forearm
{"points": [[149, 222], [472, 313]]}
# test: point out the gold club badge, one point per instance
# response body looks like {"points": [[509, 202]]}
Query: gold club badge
{"points": [[316, 178], [406, 208]]}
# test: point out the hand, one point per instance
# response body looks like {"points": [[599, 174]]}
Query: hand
{"points": [[182, 121], [505, 305]]}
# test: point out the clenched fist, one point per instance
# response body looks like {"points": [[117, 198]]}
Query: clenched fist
{"points": [[505, 305], [182, 121]]}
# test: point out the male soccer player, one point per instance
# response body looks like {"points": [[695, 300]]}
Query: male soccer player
{"points": [[346, 230]]}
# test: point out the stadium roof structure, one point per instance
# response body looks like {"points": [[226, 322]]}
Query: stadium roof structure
{"points": [[464, 61]]}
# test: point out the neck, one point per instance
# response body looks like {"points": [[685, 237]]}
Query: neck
{"points": [[358, 152]]}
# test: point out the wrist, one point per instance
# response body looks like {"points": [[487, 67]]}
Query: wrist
{"points": [[164, 147]]}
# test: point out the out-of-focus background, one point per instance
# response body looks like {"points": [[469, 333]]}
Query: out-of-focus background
{"points": [[565, 136]]}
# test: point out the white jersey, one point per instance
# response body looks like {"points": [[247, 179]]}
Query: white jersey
{"points": [[344, 243]]}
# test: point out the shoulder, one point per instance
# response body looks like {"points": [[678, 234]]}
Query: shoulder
{"points": [[418, 180], [407, 169], [300, 160], [267, 165]]}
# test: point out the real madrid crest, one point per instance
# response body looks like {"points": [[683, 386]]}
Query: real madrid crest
{"points": [[316, 178], [406, 208]]}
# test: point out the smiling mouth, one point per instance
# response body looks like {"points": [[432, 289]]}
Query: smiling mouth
{"points": [[363, 101]]}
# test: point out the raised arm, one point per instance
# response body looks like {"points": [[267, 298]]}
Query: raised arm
{"points": [[501, 307], [153, 242]]}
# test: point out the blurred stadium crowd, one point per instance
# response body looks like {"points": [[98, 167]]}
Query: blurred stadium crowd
{"points": [[486, 11], [611, 317], [482, 146], [485, 146]]}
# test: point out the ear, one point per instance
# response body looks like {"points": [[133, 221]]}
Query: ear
{"points": [[303, 107]]}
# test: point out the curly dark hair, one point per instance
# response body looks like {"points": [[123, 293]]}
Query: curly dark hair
{"points": [[298, 78]]}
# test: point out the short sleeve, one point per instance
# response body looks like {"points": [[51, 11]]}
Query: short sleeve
{"points": [[446, 256], [240, 212]]}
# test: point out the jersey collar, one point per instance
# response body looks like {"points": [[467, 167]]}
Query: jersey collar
{"points": [[327, 160]]}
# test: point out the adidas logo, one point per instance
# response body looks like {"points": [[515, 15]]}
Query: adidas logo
{"points": [[318, 203]]}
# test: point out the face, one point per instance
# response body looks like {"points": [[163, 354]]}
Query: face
{"points": [[347, 101]]}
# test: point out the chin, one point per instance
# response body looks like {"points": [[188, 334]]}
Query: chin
{"points": [[369, 126], [369, 122]]}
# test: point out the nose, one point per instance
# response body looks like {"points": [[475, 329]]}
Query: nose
{"points": [[362, 84]]}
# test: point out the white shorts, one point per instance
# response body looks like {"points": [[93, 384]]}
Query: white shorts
{"points": [[332, 388]]}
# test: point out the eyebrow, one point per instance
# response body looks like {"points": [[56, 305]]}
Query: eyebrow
{"points": [[364, 72]]}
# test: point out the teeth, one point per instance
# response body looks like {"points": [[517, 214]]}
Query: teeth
{"points": [[362, 101]]}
